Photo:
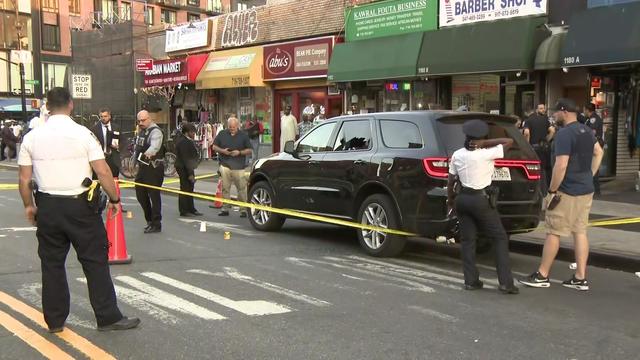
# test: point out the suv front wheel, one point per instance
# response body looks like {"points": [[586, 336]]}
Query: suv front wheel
{"points": [[379, 210], [262, 194]]}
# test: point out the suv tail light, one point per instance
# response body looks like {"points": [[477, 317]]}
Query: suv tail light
{"points": [[531, 167], [437, 167]]}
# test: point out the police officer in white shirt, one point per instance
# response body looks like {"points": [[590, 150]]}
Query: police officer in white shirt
{"points": [[473, 165], [63, 215]]}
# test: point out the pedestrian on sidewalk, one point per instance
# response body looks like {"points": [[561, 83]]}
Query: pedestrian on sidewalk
{"points": [[288, 127], [595, 123], [577, 156], [305, 125], [186, 164], [64, 217], [149, 153], [233, 146], [253, 127], [475, 206], [539, 132], [9, 140]]}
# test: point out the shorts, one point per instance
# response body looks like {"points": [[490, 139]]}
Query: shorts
{"points": [[570, 216]]}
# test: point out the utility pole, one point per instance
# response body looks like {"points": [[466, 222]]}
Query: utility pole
{"points": [[21, 63]]}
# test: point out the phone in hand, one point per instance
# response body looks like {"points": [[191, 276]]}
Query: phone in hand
{"points": [[555, 200]]}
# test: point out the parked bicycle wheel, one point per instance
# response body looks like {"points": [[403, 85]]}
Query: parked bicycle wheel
{"points": [[170, 165]]}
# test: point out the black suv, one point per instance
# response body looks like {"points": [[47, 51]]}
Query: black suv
{"points": [[390, 170]]}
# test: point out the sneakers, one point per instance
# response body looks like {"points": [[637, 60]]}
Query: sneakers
{"points": [[536, 280], [577, 284]]}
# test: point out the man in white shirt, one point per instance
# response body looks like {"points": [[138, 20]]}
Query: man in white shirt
{"points": [[63, 216], [474, 165], [288, 127]]}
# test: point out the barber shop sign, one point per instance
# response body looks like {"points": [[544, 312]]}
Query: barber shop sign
{"points": [[460, 12]]}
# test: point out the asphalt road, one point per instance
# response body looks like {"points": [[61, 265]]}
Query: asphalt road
{"points": [[308, 292]]}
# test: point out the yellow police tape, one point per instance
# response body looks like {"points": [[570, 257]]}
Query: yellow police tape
{"points": [[172, 181], [324, 219]]}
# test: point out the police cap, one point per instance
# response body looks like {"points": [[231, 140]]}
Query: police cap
{"points": [[475, 129]]}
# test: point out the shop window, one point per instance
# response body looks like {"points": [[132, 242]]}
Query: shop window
{"points": [[53, 75], [214, 5], [317, 140], [596, 3], [167, 16], [125, 11], [477, 92], [9, 39], [50, 37], [15, 78], [148, 16], [354, 136], [398, 134], [193, 2], [4, 72], [50, 5], [74, 7], [193, 17]]}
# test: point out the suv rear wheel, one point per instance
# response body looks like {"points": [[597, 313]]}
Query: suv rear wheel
{"points": [[378, 210], [262, 194]]}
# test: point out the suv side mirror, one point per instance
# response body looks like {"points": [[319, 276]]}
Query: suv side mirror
{"points": [[289, 147]]}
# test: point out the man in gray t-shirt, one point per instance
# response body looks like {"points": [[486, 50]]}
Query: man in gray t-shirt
{"points": [[233, 146]]}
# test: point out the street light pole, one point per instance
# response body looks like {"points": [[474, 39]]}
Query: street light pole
{"points": [[23, 97]]}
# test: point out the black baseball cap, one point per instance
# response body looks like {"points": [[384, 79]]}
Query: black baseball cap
{"points": [[475, 129], [564, 104]]}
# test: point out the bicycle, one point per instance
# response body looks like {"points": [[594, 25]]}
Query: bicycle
{"points": [[129, 165]]}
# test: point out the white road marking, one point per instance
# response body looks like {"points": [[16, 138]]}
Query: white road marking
{"points": [[458, 279], [32, 293], [434, 313], [299, 262], [143, 302], [353, 277], [377, 272], [170, 301], [234, 274], [223, 227], [247, 307], [3, 235], [14, 229]]}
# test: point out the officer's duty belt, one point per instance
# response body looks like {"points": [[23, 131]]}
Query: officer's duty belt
{"points": [[470, 191], [55, 196]]}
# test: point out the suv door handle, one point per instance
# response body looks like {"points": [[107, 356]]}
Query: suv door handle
{"points": [[314, 162], [359, 162]]}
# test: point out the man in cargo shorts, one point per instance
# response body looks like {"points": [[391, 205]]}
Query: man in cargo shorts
{"points": [[577, 157]]}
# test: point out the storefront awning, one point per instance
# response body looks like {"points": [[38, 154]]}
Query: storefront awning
{"points": [[498, 46], [549, 52], [232, 69], [603, 35], [388, 57]]}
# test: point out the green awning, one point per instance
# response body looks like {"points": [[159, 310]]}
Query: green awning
{"points": [[389, 57], [491, 47], [603, 35], [549, 52]]}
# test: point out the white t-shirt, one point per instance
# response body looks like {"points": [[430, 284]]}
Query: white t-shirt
{"points": [[60, 152], [475, 168]]}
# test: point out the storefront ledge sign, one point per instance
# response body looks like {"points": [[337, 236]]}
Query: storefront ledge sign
{"points": [[460, 12], [167, 72], [191, 36], [389, 18], [298, 59], [231, 62]]}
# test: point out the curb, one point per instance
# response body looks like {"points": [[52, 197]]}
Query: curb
{"points": [[598, 258]]}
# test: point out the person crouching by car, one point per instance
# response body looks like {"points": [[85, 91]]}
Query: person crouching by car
{"points": [[186, 163]]}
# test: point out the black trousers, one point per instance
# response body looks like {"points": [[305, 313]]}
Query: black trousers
{"points": [[65, 222], [475, 214], [185, 203], [150, 199]]}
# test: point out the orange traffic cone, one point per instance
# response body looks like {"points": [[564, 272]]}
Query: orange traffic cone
{"points": [[218, 204], [115, 233]]}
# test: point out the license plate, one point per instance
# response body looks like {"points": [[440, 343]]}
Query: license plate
{"points": [[501, 174]]}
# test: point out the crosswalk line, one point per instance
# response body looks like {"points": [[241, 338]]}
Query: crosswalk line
{"points": [[234, 274], [247, 307], [409, 284], [168, 300]]}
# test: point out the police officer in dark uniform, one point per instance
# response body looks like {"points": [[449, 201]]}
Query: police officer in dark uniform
{"points": [[473, 167], [594, 121], [65, 213], [150, 156]]}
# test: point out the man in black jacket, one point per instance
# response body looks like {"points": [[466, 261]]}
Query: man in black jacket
{"points": [[186, 163], [108, 134]]}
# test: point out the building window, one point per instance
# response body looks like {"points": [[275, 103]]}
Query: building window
{"points": [[125, 11], [50, 5], [50, 37], [214, 5], [167, 16], [193, 3], [148, 16], [193, 17], [242, 6], [53, 75], [74, 7]]}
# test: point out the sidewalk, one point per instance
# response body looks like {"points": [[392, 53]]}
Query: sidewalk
{"points": [[618, 200]]}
